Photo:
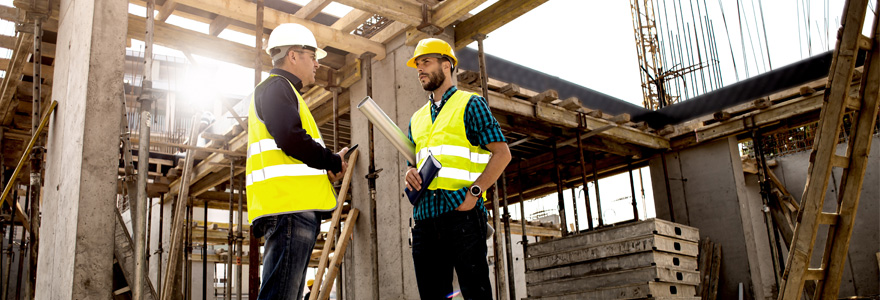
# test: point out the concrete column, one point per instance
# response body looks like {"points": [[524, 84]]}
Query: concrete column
{"points": [[396, 89], [708, 191], [76, 242]]}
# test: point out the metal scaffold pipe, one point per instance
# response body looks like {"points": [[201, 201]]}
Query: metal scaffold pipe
{"points": [[239, 238], [140, 211], [139, 208], [507, 244], [227, 287], [522, 207]]}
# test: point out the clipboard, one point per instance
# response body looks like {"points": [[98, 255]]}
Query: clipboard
{"points": [[428, 172]]}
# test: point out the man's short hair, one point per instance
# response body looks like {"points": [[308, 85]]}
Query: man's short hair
{"points": [[440, 57], [277, 63]]}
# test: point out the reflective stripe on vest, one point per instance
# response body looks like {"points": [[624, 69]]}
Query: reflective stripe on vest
{"points": [[277, 183], [446, 139]]}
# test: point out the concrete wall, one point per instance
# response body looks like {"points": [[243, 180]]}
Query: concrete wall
{"points": [[860, 277], [707, 188], [710, 192]]}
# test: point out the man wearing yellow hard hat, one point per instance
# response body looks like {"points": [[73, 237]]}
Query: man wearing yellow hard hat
{"points": [[458, 129], [309, 284], [289, 170]]}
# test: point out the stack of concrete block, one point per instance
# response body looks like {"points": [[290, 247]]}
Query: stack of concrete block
{"points": [[651, 259]]}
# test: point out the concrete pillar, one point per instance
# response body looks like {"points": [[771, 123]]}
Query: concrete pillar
{"points": [[76, 242], [396, 89], [708, 191]]}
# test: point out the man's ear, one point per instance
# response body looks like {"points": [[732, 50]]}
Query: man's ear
{"points": [[291, 55]]}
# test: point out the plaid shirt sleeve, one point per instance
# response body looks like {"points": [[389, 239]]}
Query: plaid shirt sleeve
{"points": [[481, 126]]}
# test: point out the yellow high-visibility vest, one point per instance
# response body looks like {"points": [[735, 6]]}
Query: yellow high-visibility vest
{"points": [[446, 139], [277, 183]]}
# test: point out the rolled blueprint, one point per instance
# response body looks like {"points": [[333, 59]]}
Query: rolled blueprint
{"points": [[387, 127]]}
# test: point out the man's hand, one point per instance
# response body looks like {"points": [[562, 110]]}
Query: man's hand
{"points": [[334, 177], [413, 179], [469, 202]]}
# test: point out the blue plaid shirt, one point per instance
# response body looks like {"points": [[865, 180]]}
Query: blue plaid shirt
{"points": [[481, 129]]}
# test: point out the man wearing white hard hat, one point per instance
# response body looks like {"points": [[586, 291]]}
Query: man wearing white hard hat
{"points": [[289, 170]]}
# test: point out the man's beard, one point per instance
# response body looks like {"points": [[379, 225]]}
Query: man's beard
{"points": [[434, 81]]}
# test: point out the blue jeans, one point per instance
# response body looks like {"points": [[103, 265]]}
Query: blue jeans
{"points": [[456, 240], [290, 239]]}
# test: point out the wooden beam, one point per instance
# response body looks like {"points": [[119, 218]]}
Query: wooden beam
{"points": [[398, 10], [312, 9], [558, 116], [351, 20], [48, 72], [198, 43], [8, 42], [774, 114], [491, 18], [166, 10], [27, 89], [444, 15], [246, 11], [21, 51], [533, 230], [217, 25], [12, 14], [390, 32], [216, 162]]}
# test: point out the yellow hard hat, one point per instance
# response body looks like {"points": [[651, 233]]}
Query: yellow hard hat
{"points": [[310, 282], [432, 46]]}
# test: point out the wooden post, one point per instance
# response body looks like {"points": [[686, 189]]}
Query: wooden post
{"points": [[172, 277]]}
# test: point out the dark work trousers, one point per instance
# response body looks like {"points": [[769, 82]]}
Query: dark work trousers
{"points": [[290, 239], [456, 240]]}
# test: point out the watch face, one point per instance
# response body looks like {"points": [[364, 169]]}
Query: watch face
{"points": [[476, 190]]}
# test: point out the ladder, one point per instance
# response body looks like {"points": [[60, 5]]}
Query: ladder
{"points": [[823, 158], [328, 267]]}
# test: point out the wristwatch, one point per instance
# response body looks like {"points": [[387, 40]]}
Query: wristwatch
{"points": [[476, 190]]}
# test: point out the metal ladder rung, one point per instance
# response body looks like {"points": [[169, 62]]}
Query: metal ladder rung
{"points": [[814, 274], [865, 42], [828, 218], [840, 161]]}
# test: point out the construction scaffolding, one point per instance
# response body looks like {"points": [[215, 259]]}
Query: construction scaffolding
{"points": [[179, 167]]}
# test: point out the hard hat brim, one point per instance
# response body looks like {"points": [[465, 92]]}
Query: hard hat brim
{"points": [[319, 53], [412, 61]]}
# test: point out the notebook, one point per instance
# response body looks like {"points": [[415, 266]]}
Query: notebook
{"points": [[428, 172]]}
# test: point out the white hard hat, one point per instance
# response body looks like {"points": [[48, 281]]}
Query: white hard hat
{"points": [[292, 34]]}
